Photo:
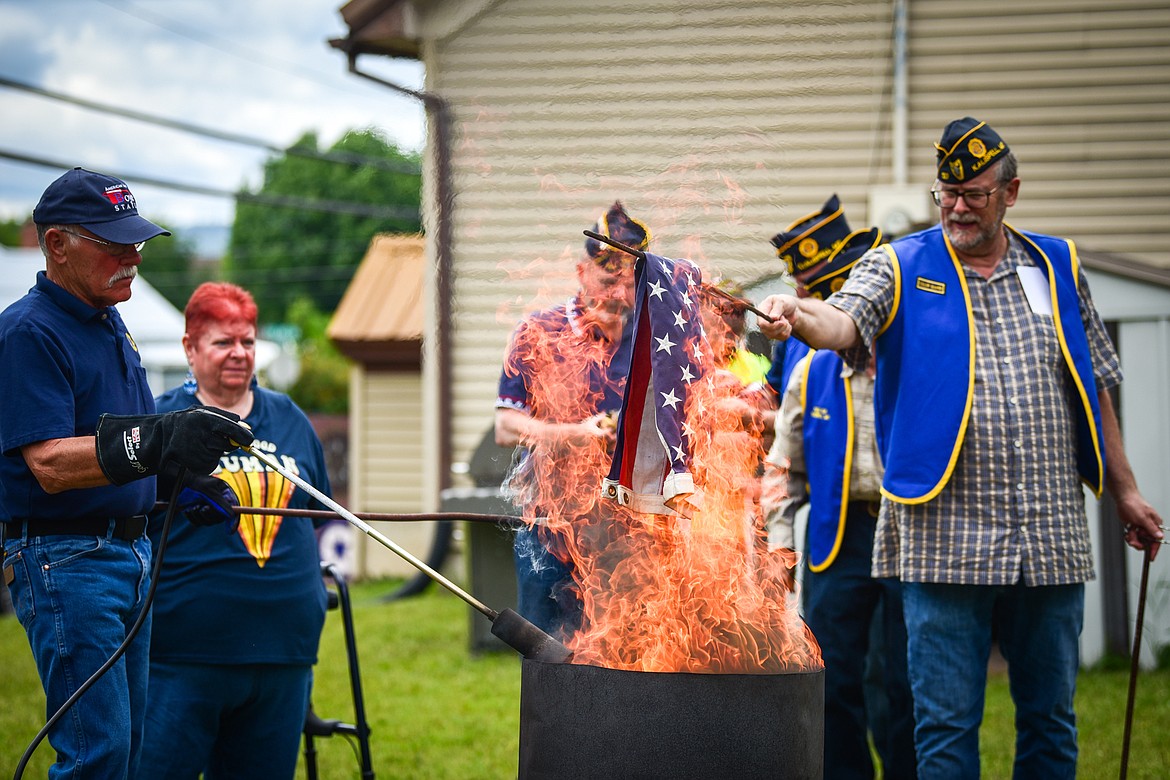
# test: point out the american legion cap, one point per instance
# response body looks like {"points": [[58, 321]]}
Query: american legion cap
{"points": [[621, 227], [818, 250], [966, 148], [99, 203]]}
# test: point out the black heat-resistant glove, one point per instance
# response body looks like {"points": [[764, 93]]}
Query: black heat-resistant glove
{"points": [[208, 501], [132, 447]]}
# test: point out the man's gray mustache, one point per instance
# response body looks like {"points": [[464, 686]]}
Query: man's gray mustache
{"points": [[129, 272]]}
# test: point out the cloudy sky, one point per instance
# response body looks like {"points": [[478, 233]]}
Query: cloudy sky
{"points": [[261, 69]]}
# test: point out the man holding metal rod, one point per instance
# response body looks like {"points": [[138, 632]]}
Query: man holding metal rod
{"points": [[993, 371], [81, 446]]}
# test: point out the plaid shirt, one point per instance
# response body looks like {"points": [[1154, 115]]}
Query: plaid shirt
{"points": [[1014, 505]]}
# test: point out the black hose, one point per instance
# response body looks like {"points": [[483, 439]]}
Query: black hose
{"points": [[113, 659], [440, 549]]}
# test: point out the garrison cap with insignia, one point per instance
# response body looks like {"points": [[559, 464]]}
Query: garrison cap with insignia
{"points": [[823, 280], [808, 241], [621, 227], [966, 149]]}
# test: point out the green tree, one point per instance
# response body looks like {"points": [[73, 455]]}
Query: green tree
{"points": [[10, 232], [281, 253], [323, 385]]}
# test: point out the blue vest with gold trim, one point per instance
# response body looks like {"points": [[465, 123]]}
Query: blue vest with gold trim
{"points": [[925, 381], [828, 454]]}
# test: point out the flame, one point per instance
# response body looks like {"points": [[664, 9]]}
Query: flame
{"points": [[667, 594]]}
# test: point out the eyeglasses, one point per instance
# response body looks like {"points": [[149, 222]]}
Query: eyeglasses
{"points": [[116, 250], [975, 199]]}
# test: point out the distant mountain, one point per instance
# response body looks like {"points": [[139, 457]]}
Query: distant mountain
{"points": [[210, 241]]}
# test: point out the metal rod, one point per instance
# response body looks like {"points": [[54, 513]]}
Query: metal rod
{"points": [[382, 517], [365, 528], [737, 301], [638, 253]]}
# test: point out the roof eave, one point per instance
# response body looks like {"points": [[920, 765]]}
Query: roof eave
{"points": [[383, 355], [382, 27]]}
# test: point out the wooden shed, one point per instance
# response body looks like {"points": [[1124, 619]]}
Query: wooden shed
{"points": [[379, 325]]}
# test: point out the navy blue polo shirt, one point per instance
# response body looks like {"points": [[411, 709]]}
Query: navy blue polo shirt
{"points": [[604, 382], [63, 364]]}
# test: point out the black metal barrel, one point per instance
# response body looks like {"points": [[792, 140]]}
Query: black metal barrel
{"points": [[589, 722]]}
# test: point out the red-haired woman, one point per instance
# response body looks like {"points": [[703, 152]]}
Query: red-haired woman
{"points": [[237, 613]]}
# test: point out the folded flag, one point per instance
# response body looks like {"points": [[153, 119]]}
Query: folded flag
{"points": [[651, 469]]}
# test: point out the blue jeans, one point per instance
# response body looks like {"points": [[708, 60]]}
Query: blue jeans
{"points": [[950, 632], [841, 605], [77, 597], [545, 593], [231, 721]]}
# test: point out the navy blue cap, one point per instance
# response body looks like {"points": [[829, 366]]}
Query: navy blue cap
{"points": [[621, 227], [966, 148], [828, 277], [808, 241], [101, 204]]}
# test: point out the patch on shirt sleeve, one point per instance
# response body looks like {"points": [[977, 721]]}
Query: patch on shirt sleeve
{"points": [[931, 286]]}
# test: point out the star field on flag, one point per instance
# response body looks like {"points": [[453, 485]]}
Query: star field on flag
{"points": [[651, 465]]}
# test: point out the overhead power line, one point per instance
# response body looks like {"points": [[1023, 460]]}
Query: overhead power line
{"points": [[242, 51], [394, 166], [283, 201]]}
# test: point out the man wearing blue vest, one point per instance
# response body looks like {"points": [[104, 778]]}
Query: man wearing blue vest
{"points": [[992, 404], [825, 437]]}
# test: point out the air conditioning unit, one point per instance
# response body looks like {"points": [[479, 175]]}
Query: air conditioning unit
{"points": [[899, 209]]}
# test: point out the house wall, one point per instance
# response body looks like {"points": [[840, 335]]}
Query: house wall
{"points": [[386, 457], [718, 124]]}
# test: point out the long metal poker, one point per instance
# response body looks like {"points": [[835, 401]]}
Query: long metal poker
{"points": [[638, 253], [368, 530], [504, 521], [511, 627]]}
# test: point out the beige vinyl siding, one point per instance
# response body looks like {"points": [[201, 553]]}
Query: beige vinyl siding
{"points": [[706, 120], [387, 455], [1081, 91], [720, 123]]}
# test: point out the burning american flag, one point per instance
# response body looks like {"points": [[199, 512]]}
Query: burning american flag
{"points": [[651, 469]]}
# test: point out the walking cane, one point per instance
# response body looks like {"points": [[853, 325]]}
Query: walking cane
{"points": [[1133, 666]]}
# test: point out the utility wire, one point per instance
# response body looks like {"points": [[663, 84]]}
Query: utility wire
{"points": [[213, 41], [394, 166], [243, 196]]}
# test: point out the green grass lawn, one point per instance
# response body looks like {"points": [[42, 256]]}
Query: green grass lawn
{"points": [[438, 711]]}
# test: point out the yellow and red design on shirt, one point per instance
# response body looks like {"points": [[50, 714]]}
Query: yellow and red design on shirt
{"points": [[257, 485]]}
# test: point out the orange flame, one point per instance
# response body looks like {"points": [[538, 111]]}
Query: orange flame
{"points": [[699, 594]]}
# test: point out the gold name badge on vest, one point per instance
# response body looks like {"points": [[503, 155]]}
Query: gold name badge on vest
{"points": [[931, 286]]}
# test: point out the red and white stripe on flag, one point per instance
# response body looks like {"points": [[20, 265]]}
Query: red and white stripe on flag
{"points": [[651, 468]]}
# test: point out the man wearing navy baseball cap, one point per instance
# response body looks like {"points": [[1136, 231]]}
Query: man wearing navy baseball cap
{"points": [[84, 210], [101, 204], [80, 446]]}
